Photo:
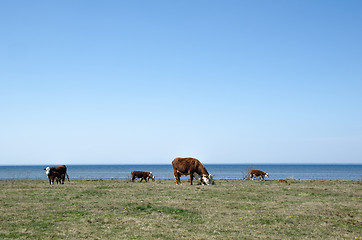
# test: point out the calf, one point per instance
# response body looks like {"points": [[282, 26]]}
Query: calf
{"points": [[142, 175], [58, 177], [57, 173], [258, 173], [192, 167]]}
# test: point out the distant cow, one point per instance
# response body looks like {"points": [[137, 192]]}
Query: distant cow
{"points": [[142, 175], [192, 167], [56, 173], [258, 173]]}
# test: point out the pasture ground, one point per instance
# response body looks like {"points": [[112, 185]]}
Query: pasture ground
{"points": [[231, 209]]}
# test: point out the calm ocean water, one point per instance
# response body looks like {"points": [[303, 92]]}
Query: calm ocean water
{"points": [[238, 171]]}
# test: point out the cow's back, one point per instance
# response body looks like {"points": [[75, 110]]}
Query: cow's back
{"points": [[185, 165], [257, 172], [140, 173], [59, 169]]}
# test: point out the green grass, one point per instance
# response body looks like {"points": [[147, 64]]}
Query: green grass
{"points": [[231, 209]]}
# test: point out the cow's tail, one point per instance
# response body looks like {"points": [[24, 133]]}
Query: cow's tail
{"points": [[67, 176]]}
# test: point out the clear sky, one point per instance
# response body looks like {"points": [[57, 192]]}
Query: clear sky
{"points": [[143, 82]]}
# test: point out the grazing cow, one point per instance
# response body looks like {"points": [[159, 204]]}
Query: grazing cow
{"points": [[258, 173], [57, 173], [142, 175], [283, 181], [192, 167]]}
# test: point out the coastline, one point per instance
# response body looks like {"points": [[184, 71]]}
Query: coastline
{"points": [[220, 171]]}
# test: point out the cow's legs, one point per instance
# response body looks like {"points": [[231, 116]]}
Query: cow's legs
{"points": [[191, 177], [177, 177], [133, 177]]}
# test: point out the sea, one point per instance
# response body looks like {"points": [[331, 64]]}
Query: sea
{"points": [[220, 171]]}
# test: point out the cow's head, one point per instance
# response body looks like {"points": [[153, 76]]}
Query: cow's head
{"points": [[151, 176], [47, 170], [206, 179], [266, 175]]}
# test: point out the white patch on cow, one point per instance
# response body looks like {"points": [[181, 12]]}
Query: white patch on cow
{"points": [[207, 179], [47, 171]]}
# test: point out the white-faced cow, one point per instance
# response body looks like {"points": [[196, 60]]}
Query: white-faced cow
{"points": [[258, 173], [192, 167], [142, 175], [56, 173]]}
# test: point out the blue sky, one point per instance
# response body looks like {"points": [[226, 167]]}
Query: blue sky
{"points": [[135, 82]]}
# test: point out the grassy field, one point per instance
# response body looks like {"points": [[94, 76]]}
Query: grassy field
{"points": [[231, 209]]}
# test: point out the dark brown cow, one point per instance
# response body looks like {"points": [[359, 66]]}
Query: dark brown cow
{"points": [[192, 167], [142, 175], [56, 176], [57, 173], [258, 173]]}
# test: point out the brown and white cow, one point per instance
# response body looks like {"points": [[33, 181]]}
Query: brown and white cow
{"points": [[142, 175], [57, 173], [192, 167], [258, 173]]}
